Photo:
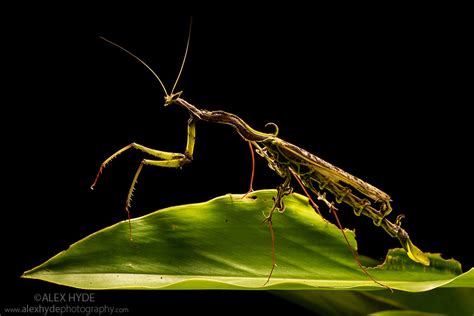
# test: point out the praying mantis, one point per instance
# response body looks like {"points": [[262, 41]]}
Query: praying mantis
{"points": [[289, 161]]}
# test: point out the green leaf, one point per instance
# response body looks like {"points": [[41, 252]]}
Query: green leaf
{"points": [[224, 244]]}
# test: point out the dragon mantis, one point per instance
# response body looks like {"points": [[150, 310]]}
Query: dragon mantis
{"points": [[288, 161]]}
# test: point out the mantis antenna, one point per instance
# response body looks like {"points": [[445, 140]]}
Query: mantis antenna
{"points": [[141, 61], [149, 68], [185, 55]]}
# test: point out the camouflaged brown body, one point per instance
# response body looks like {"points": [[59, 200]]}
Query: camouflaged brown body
{"points": [[283, 157]]}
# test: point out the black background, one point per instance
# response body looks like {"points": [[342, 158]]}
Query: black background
{"points": [[385, 98]]}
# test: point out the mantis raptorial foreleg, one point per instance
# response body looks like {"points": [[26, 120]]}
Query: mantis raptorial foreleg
{"points": [[167, 159]]}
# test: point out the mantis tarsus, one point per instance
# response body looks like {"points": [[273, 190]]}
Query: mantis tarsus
{"points": [[288, 161]]}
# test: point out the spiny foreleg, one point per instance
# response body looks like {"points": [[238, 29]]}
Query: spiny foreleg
{"points": [[165, 159]]}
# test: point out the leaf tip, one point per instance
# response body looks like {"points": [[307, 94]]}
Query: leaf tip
{"points": [[415, 254]]}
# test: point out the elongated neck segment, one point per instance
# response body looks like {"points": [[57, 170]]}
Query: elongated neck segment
{"points": [[221, 117]]}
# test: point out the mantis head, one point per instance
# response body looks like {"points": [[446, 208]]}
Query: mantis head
{"points": [[171, 98]]}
